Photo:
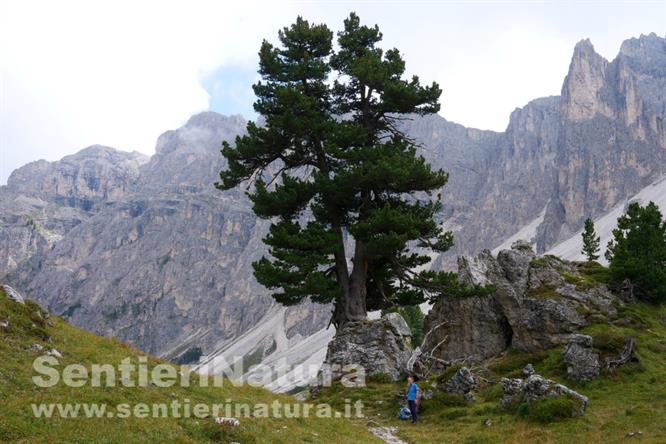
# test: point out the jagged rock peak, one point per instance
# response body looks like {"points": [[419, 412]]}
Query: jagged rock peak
{"points": [[97, 153], [211, 119], [94, 172], [106, 152], [581, 89], [530, 116], [584, 48], [202, 133], [644, 46]]}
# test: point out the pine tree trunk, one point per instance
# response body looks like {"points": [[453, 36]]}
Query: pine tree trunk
{"points": [[354, 303], [351, 305]]}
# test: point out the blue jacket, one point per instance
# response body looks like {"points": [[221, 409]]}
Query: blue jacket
{"points": [[411, 391]]}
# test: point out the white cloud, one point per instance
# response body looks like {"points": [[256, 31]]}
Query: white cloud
{"points": [[119, 73]]}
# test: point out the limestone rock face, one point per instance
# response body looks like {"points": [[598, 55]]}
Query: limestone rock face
{"points": [[582, 363], [536, 305], [473, 327], [96, 172], [43, 201], [610, 130], [146, 250], [582, 88], [561, 159], [376, 346]]}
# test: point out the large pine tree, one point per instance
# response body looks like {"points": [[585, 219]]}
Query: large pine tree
{"points": [[638, 251], [337, 176]]}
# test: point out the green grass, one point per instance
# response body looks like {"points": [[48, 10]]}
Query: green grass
{"points": [[584, 275], [29, 324], [590, 275], [547, 410], [546, 260], [544, 292], [513, 361], [630, 399]]}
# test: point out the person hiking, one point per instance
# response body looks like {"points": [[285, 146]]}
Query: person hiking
{"points": [[412, 397]]}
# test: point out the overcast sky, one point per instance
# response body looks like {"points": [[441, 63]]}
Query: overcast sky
{"points": [[119, 73]]}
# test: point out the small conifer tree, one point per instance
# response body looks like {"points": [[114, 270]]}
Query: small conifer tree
{"points": [[590, 241]]}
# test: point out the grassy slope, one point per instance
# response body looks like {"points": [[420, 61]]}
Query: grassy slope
{"points": [[632, 399], [17, 392]]}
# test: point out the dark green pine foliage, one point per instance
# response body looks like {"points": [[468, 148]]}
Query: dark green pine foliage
{"points": [[590, 241], [638, 251], [337, 177]]}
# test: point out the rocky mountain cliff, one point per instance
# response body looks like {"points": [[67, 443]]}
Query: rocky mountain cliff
{"points": [[143, 249], [562, 159], [43, 201], [148, 251]]}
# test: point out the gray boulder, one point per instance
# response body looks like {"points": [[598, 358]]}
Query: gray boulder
{"points": [[522, 245], [513, 391], [535, 387], [528, 371], [582, 340], [461, 383], [582, 363], [376, 346], [13, 294]]}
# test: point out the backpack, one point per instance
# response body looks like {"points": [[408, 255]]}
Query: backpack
{"points": [[404, 413]]}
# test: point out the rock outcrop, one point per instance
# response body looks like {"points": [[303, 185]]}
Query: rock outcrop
{"points": [[461, 383], [479, 320], [13, 294], [380, 347], [538, 302], [399, 324], [582, 363], [534, 388]]}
